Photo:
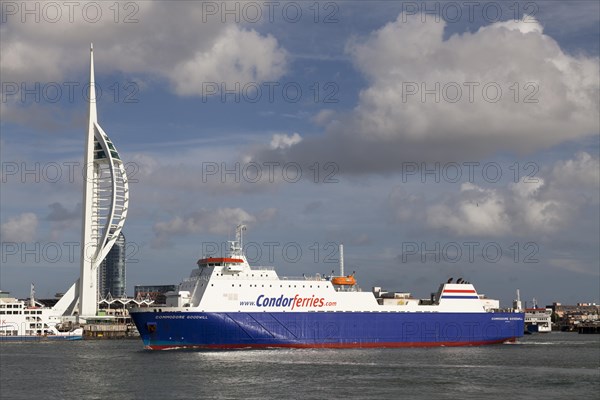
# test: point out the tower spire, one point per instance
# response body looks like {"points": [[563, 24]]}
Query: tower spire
{"points": [[93, 114], [105, 202], [105, 205]]}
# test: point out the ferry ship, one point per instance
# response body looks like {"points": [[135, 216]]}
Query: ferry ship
{"points": [[538, 320], [227, 304], [25, 321]]}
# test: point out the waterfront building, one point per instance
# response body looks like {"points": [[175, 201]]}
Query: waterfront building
{"points": [[112, 271], [153, 292], [569, 317]]}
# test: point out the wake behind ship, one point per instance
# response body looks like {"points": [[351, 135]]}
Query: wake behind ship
{"points": [[226, 304]]}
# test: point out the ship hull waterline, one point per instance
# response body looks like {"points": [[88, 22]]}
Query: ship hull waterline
{"points": [[238, 330]]}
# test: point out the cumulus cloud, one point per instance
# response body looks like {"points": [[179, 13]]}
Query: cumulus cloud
{"points": [[167, 41], [506, 87], [523, 207], [531, 206], [526, 25], [22, 228], [267, 214], [323, 117], [197, 169], [238, 56], [499, 54], [584, 170], [476, 211], [283, 141], [219, 221]]}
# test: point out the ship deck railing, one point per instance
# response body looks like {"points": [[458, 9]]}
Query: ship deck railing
{"points": [[263, 268], [304, 278]]}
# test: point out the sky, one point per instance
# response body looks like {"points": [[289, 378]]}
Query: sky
{"points": [[432, 139]]}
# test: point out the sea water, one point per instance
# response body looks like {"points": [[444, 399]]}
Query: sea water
{"points": [[549, 366]]}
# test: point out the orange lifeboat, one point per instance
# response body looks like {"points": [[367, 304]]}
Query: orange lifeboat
{"points": [[344, 280]]}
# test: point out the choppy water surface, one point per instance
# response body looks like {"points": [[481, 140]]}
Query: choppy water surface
{"points": [[555, 365]]}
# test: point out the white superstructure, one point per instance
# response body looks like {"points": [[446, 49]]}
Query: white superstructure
{"points": [[538, 319], [20, 319], [229, 284]]}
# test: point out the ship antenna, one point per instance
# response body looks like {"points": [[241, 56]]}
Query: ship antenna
{"points": [[342, 259]]}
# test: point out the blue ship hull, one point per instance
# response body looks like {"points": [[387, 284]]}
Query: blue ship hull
{"points": [[168, 330]]}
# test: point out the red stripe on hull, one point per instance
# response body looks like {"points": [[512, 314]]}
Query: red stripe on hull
{"points": [[331, 345]]}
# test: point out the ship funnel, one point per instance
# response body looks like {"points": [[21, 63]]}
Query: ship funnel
{"points": [[517, 303], [32, 296], [342, 259]]}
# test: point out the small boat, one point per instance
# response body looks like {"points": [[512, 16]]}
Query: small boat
{"points": [[25, 321], [344, 280]]}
